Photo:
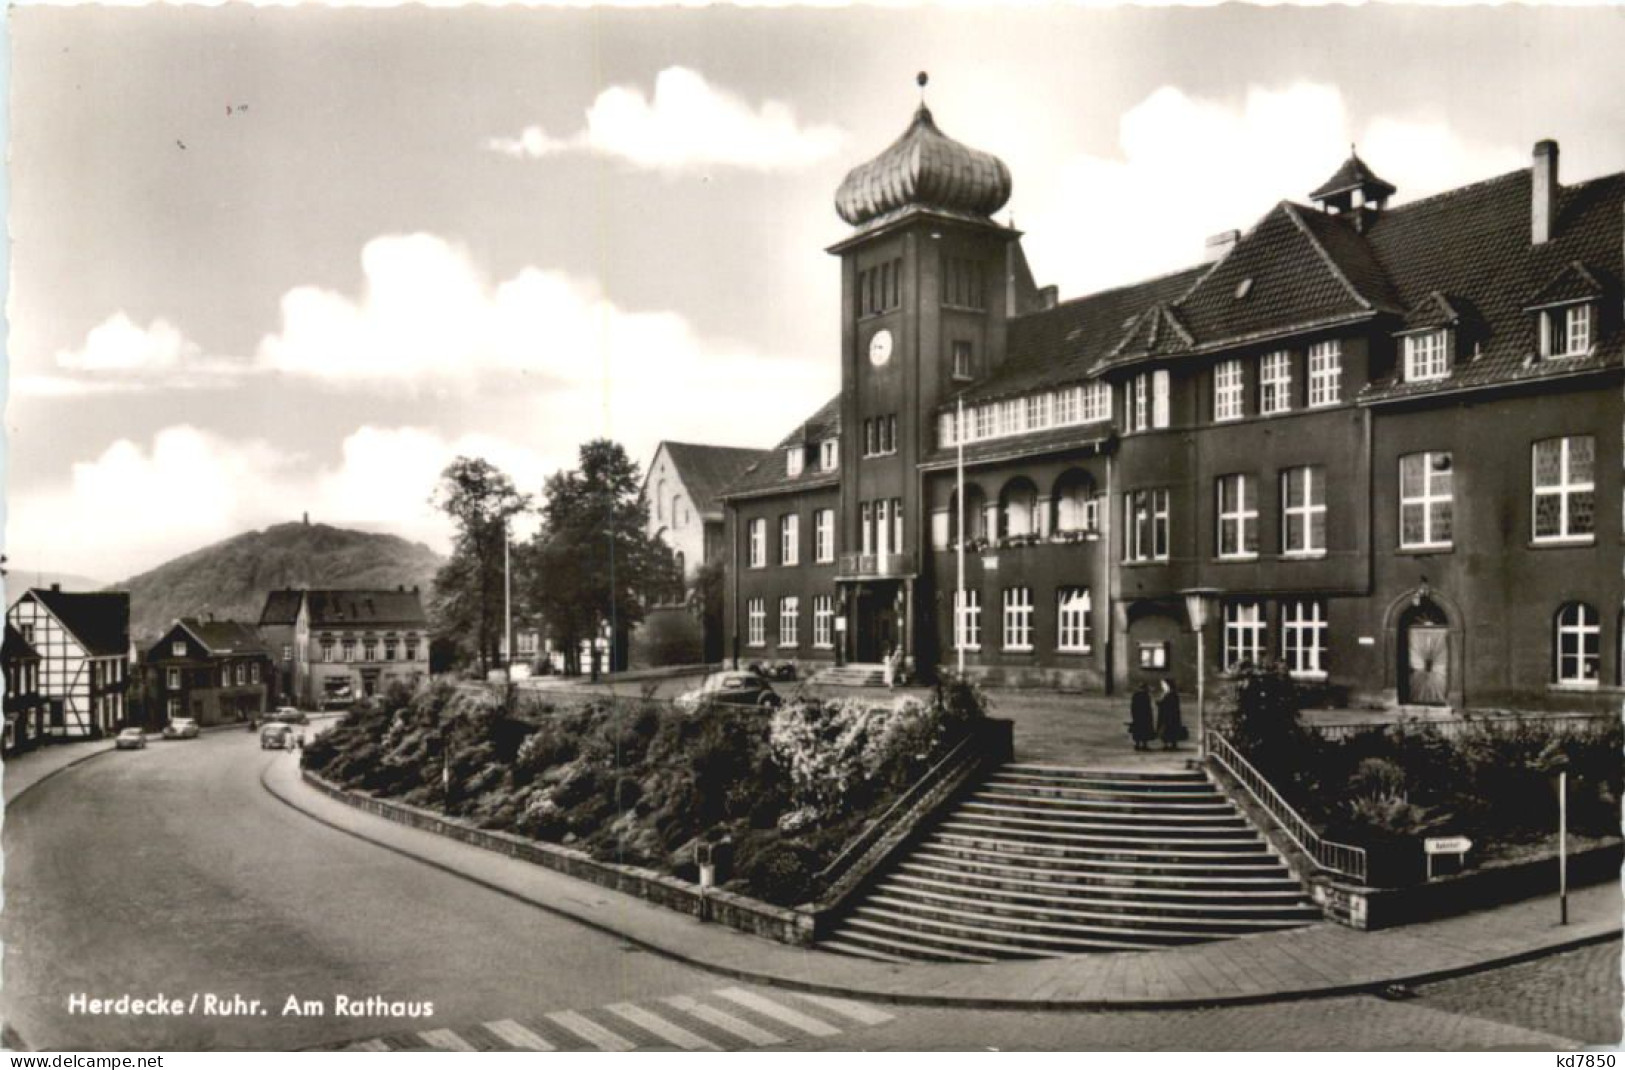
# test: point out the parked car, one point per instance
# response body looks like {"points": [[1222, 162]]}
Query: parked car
{"points": [[181, 728], [289, 715], [278, 736], [131, 739], [731, 689]]}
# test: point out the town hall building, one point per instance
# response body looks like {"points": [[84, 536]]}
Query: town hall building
{"points": [[1386, 436]]}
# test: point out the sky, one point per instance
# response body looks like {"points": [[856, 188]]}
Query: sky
{"points": [[276, 261]]}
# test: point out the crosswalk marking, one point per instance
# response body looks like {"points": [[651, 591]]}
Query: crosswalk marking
{"points": [[670, 1032], [591, 1031], [779, 1013], [724, 1021], [857, 1012], [518, 1036], [446, 1040]]}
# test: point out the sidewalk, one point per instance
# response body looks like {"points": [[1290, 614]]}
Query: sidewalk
{"points": [[23, 771], [1319, 960]]}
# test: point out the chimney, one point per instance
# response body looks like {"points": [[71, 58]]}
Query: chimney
{"points": [[1221, 243], [1049, 296], [1543, 187], [56, 588]]}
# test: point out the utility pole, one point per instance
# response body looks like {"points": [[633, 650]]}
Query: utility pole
{"points": [[507, 602]]}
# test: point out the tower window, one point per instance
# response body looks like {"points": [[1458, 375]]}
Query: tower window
{"points": [[963, 356], [962, 283], [880, 288]]}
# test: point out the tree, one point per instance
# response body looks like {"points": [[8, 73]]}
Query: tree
{"points": [[468, 590], [706, 601], [593, 563]]}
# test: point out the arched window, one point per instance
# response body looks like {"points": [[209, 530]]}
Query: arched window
{"points": [[1578, 645], [975, 515], [1018, 508], [677, 513], [1075, 508], [660, 500]]}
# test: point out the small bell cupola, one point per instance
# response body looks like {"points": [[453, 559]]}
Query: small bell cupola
{"points": [[1354, 190]]}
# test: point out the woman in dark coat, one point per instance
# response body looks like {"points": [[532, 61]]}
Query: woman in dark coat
{"points": [[1139, 711], [1169, 725]]}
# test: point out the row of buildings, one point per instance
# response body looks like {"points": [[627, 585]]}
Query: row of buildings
{"points": [[1387, 437], [72, 671]]}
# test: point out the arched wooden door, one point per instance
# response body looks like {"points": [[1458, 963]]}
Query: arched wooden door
{"points": [[1424, 668]]}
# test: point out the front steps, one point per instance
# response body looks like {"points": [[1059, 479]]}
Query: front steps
{"points": [[853, 674], [1042, 861]]}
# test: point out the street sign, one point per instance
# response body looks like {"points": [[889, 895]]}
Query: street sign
{"points": [[1447, 845]]}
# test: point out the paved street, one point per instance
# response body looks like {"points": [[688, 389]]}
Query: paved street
{"points": [[173, 871]]}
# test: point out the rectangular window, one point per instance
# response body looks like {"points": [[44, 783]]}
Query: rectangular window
{"points": [[1426, 356], [1145, 530], [389, 649], [897, 525], [1303, 637], [789, 620], [1243, 634], [1072, 620], [1579, 645], [1096, 402], [1238, 516], [349, 649], [1068, 405], [1566, 332], [1139, 403], [789, 539], [968, 620], [287, 651], [823, 622], [758, 543], [829, 454], [1012, 418], [962, 283], [1426, 500], [1565, 489], [869, 448], [1018, 618], [254, 673], [866, 538], [172, 679], [1227, 388], [327, 649], [412, 648], [986, 420], [178, 648], [1275, 383], [963, 368], [882, 526], [824, 536], [756, 622], [369, 649], [1325, 373], [1159, 399], [1038, 412], [1303, 510]]}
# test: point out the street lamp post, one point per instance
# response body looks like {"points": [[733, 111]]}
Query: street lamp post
{"points": [[1200, 604]]}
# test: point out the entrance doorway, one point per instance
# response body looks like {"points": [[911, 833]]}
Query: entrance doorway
{"points": [[879, 629], [1424, 656]]}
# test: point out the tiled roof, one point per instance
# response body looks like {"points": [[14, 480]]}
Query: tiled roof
{"points": [[328, 608], [1353, 175], [1060, 345], [100, 620], [16, 647], [225, 636], [281, 607], [1434, 310], [707, 470], [1053, 440], [924, 168], [769, 474], [1573, 282], [1474, 245]]}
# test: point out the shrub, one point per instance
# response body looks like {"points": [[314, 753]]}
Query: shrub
{"points": [[781, 872]]}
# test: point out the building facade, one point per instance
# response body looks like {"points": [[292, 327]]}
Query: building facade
{"points": [[83, 642], [215, 672], [278, 620], [1388, 437], [25, 707], [349, 644]]}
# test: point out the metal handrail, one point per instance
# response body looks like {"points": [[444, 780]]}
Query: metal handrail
{"points": [[861, 844], [1343, 858], [1450, 727]]}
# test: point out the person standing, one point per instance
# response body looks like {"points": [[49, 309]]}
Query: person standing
{"points": [[1140, 725], [1170, 727]]}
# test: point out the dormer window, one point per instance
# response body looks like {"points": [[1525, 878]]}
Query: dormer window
{"points": [[1566, 331], [829, 454], [178, 648], [1427, 356], [793, 458]]}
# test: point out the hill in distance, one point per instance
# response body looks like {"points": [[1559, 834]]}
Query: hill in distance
{"points": [[19, 580], [230, 579]]}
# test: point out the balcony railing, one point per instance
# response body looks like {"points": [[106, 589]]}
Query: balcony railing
{"points": [[1341, 858], [877, 565]]}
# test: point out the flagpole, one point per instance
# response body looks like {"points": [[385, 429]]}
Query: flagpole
{"points": [[959, 497]]}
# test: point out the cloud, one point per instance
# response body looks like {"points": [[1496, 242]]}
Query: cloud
{"points": [[428, 321], [687, 124], [190, 487], [119, 345], [118, 356], [1189, 168]]}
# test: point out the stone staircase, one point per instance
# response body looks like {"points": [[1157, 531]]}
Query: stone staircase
{"points": [[853, 674], [1043, 860]]}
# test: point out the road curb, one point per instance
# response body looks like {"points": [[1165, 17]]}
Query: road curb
{"points": [[977, 1002], [81, 760]]}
